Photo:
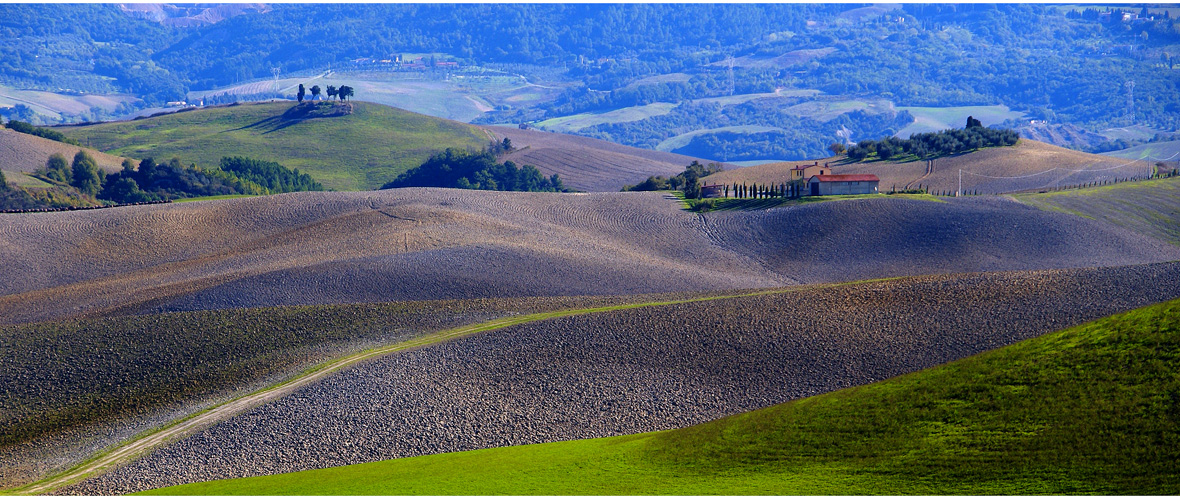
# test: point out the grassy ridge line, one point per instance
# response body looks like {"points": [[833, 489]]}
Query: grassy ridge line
{"points": [[149, 441], [1056, 414]]}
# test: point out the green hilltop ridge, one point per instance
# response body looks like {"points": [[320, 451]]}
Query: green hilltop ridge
{"points": [[343, 145], [1094, 409]]}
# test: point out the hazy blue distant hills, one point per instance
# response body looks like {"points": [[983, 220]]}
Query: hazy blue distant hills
{"points": [[795, 68]]}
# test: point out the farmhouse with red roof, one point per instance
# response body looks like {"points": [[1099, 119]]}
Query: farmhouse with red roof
{"points": [[836, 185], [803, 171]]}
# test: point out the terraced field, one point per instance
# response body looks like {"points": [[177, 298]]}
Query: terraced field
{"points": [[642, 369], [1029, 165], [589, 164], [22, 152], [415, 244]]}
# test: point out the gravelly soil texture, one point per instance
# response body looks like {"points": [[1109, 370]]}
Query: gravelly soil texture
{"points": [[641, 370], [71, 388], [334, 247]]}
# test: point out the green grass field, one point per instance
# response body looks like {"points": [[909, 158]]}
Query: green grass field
{"points": [[1089, 410], [213, 198], [357, 151], [731, 100], [1148, 207], [22, 179]]}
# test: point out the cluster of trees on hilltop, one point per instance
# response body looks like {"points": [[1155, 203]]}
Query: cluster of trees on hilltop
{"points": [[688, 181], [343, 93], [931, 145], [476, 170]]}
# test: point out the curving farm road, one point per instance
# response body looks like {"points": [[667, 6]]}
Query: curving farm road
{"points": [[181, 428]]}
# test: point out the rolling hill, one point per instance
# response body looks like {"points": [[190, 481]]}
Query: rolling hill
{"points": [[21, 152], [1151, 207], [1155, 151], [65, 401], [345, 146], [413, 244], [1029, 165], [1058, 414], [589, 164], [361, 145]]}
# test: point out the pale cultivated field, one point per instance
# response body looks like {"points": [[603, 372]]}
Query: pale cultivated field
{"points": [[335, 247], [1029, 165], [24, 153], [589, 164]]}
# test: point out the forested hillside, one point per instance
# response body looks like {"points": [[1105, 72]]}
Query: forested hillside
{"points": [[789, 71]]}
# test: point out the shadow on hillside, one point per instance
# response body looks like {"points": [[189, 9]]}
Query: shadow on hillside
{"points": [[299, 113]]}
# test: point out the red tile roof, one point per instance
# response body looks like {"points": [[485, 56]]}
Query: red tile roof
{"points": [[847, 178]]}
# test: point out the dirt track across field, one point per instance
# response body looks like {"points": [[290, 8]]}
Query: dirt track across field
{"points": [[641, 369]]}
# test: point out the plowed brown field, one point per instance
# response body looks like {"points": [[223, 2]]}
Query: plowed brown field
{"points": [[24, 153], [333, 247], [638, 370]]}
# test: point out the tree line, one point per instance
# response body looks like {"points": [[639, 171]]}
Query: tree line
{"points": [[476, 170], [688, 181], [931, 145], [82, 180], [45, 133]]}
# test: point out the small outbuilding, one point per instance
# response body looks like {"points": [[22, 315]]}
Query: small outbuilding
{"points": [[840, 185]]}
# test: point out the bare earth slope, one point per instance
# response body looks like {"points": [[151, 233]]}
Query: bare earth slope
{"points": [[334, 247], [640, 370], [22, 152], [589, 164], [1026, 166]]}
